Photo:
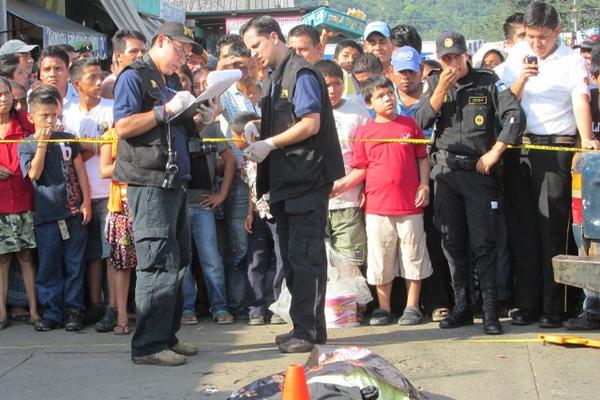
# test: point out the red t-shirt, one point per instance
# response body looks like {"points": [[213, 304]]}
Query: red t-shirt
{"points": [[16, 192], [392, 171]]}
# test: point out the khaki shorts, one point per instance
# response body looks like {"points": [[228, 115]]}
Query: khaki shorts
{"points": [[346, 230], [397, 246]]}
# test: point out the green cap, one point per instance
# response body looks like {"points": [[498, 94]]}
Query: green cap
{"points": [[82, 46]]}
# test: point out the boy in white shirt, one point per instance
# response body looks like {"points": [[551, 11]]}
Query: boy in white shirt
{"points": [[90, 117]]}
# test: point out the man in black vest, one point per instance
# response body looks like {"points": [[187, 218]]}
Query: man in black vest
{"points": [[154, 162], [299, 159]]}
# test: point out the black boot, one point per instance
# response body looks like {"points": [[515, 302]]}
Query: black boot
{"points": [[461, 313], [491, 324]]}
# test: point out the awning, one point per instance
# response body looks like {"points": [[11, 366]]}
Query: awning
{"points": [[125, 16], [56, 28], [152, 24]]}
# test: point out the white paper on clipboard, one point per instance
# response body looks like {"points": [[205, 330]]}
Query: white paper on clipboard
{"points": [[218, 82]]}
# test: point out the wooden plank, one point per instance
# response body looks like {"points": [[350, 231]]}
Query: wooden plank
{"points": [[579, 271]]}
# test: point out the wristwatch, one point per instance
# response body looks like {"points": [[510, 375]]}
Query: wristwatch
{"points": [[159, 113]]}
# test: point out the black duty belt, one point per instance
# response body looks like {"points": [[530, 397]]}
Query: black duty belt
{"points": [[456, 161], [564, 140]]}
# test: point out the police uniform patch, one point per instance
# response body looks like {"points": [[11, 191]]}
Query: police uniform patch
{"points": [[153, 83], [477, 100], [284, 94], [448, 42], [479, 120], [501, 86]]}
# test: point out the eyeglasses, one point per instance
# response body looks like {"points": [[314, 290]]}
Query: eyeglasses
{"points": [[179, 50]]}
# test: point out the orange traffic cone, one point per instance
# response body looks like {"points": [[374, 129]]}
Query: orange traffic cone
{"points": [[295, 387]]}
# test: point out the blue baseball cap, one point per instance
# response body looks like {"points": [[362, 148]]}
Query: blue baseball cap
{"points": [[377, 26], [406, 58]]}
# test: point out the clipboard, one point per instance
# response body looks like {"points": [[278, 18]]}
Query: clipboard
{"points": [[218, 82]]}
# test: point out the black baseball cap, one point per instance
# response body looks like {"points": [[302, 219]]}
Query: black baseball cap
{"points": [[176, 31], [450, 43], [587, 45]]}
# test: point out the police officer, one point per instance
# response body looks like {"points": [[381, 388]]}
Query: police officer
{"points": [[299, 159], [153, 161], [465, 105]]}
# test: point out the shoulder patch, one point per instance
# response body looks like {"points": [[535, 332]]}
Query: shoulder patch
{"points": [[501, 86]]}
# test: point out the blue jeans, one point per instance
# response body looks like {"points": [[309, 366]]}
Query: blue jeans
{"points": [[204, 235], [591, 303], [60, 274], [236, 243], [189, 290]]}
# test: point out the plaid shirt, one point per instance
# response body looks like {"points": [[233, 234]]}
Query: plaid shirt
{"points": [[235, 102]]}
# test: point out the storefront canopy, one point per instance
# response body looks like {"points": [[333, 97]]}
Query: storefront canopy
{"points": [[125, 16], [57, 29]]}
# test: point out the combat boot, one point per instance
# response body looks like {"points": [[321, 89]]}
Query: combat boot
{"points": [[461, 314], [491, 323]]}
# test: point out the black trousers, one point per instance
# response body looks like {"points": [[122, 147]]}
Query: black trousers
{"points": [[163, 247], [538, 205], [263, 246], [435, 292], [466, 208], [301, 226]]}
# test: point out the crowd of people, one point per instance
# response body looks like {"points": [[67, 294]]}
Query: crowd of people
{"points": [[216, 212]]}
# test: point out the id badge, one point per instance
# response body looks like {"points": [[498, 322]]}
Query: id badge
{"points": [[64, 231]]}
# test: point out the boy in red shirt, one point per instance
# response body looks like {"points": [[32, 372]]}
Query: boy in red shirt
{"points": [[396, 177]]}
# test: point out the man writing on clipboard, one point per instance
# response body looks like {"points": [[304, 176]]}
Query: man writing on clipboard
{"points": [[153, 160]]}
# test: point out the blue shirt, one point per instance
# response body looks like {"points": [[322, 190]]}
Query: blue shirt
{"points": [[57, 192], [128, 100], [410, 112], [307, 95]]}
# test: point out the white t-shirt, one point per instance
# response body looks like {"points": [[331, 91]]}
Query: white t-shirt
{"points": [[348, 118], [91, 124], [547, 98]]}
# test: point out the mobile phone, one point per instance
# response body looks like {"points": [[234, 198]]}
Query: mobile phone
{"points": [[531, 60]]}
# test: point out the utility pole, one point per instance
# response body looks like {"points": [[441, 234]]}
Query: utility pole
{"points": [[575, 15]]}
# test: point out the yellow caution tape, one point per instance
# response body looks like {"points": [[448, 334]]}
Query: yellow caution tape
{"points": [[226, 140]]}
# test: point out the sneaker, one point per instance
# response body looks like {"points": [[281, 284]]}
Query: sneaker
{"points": [[223, 318], [45, 325], [166, 358], [379, 317], [411, 316], [256, 320], [108, 321], [94, 313], [277, 320], [185, 349], [583, 322], [74, 321]]}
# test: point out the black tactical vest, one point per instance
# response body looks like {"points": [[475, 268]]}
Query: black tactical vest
{"points": [[302, 167], [141, 160]]}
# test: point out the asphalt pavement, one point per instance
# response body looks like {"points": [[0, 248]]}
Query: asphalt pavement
{"points": [[444, 364]]}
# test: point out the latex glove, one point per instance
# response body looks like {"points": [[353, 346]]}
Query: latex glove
{"points": [[251, 132], [208, 112], [179, 102], [258, 151]]}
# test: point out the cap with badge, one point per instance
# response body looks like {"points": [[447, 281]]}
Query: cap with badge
{"points": [[376, 27], [176, 31], [406, 58], [450, 43], [83, 46], [17, 46]]}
